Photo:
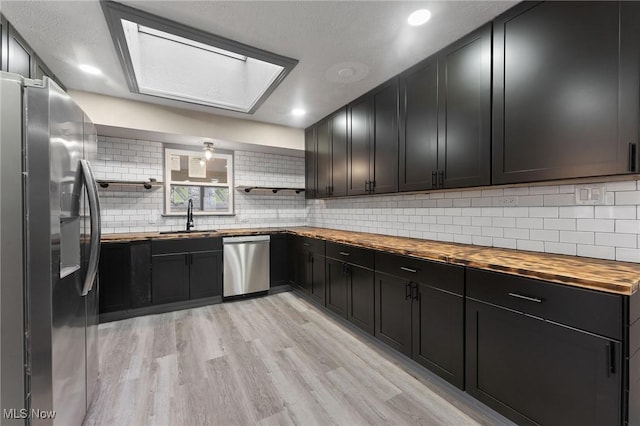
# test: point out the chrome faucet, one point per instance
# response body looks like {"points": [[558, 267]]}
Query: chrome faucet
{"points": [[190, 215]]}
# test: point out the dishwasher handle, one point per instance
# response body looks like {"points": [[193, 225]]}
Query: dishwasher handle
{"points": [[246, 239]]}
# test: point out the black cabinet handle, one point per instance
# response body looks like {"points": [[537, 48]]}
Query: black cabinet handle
{"points": [[407, 291], [434, 179], [345, 253], [441, 179], [415, 296], [632, 157], [529, 298], [306, 244], [413, 271], [366, 186], [611, 359], [190, 259], [372, 185]]}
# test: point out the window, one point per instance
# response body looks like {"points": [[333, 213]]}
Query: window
{"points": [[208, 183]]}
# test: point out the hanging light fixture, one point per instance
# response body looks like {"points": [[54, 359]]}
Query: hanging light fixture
{"points": [[208, 150]]}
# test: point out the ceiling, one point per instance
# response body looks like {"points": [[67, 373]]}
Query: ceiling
{"points": [[370, 37]]}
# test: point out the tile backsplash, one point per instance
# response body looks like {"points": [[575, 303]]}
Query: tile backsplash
{"points": [[537, 218], [135, 209]]}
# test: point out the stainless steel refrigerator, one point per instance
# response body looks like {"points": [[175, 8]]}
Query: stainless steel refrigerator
{"points": [[49, 251]]}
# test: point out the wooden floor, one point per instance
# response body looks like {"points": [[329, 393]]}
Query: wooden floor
{"points": [[275, 360]]}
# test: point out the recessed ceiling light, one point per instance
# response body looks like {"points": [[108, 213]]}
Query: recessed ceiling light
{"points": [[346, 72], [298, 112], [90, 69], [419, 17]]}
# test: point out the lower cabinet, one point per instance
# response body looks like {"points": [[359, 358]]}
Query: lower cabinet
{"points": [[124, 276], [186, 269], [419, 311], [309, 274], [349, 284], [170, 278], [526, 365], [279, 260]]}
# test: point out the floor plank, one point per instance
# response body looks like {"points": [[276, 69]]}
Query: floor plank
{"points": [[274, 360]]}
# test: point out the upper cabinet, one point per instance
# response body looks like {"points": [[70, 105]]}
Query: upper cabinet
{"points": [[323, 158], [566, 92], [464, 111], [18, 57], [372, 141], [310, 162], [445, 131], [338, 122]]}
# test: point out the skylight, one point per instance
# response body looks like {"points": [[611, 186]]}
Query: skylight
{"points": [[169, 60]]}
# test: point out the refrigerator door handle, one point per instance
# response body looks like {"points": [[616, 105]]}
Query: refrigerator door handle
{"points": [[94, 214]]}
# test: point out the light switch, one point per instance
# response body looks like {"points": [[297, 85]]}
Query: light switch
{"points": [[584, 194], [590, 194]]}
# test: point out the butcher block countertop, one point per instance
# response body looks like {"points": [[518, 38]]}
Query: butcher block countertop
{"points": [[603, 275]]}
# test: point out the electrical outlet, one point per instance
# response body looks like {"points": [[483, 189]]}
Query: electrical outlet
{"points": [[591, 195]]}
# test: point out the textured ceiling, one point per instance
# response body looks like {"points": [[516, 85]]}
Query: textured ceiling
{"points": [[373, 36]]}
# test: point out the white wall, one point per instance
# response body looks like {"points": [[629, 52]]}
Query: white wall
{"points": [[126, 113], [547, 219], [135, 209]]}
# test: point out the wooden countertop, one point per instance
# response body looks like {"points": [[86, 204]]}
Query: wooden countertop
{"points": [[603, 275]]}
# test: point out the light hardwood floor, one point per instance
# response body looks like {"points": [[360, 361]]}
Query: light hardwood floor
{"points": [[275, 360]]}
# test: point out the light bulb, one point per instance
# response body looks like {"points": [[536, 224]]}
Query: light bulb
{"points": [[208, 154], [419, 17], [201, 163]]}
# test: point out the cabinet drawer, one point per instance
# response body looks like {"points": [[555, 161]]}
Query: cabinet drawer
{"points": [[445, 277], [313, 244], [349, 254], [589, 310], [184, 245]]}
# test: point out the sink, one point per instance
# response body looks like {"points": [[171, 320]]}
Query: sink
{"points": [[184, 231]]}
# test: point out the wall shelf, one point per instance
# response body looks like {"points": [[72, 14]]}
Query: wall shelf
{"points": [[147, 184], [271, 189]]}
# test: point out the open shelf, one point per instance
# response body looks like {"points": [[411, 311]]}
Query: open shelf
{"points": [[147, 184], [263, 189]]}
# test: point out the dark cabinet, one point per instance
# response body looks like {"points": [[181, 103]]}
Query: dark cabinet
{"points": [[310, 145], [309, 275], [566, 90], [338, 122], [464, 111], [372, 141], [205, 274], [113, 277], [279, 264], [445, 132], [20, 56], [323, 158], [419, 311], [125, 276], [186, 269], [330, 155], [528, 357], [418, 149], [350, 284], [170, 278], [4, 39]]}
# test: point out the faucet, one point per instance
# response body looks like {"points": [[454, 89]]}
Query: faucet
{"points": [[190, 215]]}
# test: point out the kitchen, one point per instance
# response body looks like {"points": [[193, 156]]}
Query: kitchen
{"points": [[452, 212]]}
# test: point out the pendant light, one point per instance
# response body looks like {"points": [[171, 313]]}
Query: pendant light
{"points": [[208, 150]]}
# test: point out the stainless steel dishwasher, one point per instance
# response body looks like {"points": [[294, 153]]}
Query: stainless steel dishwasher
{"points": [[246, 265]]}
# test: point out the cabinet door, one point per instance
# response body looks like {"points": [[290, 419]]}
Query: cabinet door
{"points": [[537, 372], [170, 278], [19, 55], [279, 259], [393, 312], [114, 277], [358, 147], [323, 159], [140, 258], [361, 297], [205, 274], [310, 163], [4, 40], [419, 126], [565, 90], [339, 153], [384, 162], [464, 110], [337, 287], [315, 273], [438, 332]]}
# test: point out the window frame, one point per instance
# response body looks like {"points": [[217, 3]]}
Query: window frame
{"points": [[168, 152]]}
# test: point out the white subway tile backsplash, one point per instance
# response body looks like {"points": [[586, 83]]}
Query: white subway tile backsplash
{"points": [[530, 245], [601, 225], [627, 198], [560, 224], [615, 212], [623, 226], [544, 235], [560, 248], [628, 255], [543, 211], [578, 212], [616, 240], [597, 251], [577, 237]]}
